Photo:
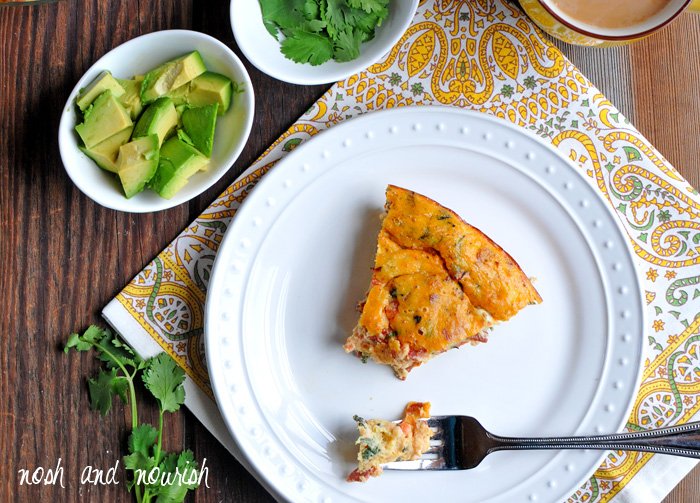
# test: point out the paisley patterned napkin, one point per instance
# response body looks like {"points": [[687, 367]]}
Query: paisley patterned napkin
{"points": [[485, 56]]}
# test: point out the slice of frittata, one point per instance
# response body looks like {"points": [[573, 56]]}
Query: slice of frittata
{"points": [[384, 441], [437, 283]]}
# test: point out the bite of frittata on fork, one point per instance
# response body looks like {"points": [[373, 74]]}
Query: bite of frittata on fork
{"points": [[384, 441]]}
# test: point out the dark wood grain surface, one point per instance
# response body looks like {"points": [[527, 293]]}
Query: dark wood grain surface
{"points": [[63, 257]]}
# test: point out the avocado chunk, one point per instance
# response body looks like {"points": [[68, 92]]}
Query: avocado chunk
{"points": [[104, 118], [131, 99], [102, 83], [178, 162], [160, 118], [137, 163], [171, 75], [105, 153], [180, 109], [208, 88], [199, 123]]}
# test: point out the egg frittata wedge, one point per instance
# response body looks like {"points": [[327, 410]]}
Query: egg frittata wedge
{"points": [[437, 284]]}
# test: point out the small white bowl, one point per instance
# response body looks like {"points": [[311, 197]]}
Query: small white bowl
{"points": [[137, 56], [263, 51]]}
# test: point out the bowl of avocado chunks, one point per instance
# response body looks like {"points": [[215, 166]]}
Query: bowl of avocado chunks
{"points": [[156, 121]]}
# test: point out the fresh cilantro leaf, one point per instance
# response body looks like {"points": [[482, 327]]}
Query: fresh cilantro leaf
{"points": [[78, 343], [141, 443], [331, 14], [186, 459], [188, 467], [347, 45], [110, 349], [282, 14], [305, 47], [137, 461], [102, 390], [318, 30], [120, 386], [311, 10], [163, 378], [171, 493], [93, 335], [379, 7], [367, 26], [178, 475], [115, 353], [168, 463], [339, 16], [313, 26], [142, 439]]}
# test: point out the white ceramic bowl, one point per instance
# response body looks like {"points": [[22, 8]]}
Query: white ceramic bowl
{"points": [[137, 56], [263, 51]]}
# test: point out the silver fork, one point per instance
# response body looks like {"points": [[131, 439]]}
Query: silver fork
{"points": [[461, 443]]}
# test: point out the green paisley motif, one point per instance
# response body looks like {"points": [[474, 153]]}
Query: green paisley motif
{"points": [[646, 226], [634, 427], [632, 154], [636, 191], [678, 402], [219, 225], [672, 372], [676, 286], [594, 488], [202, 280], [150, 305]]}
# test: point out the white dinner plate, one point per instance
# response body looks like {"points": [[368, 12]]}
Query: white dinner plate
{"points": [[296, 260]]}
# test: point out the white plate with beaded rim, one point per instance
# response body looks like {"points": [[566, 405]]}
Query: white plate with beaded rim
{"points": [[296, 260]]}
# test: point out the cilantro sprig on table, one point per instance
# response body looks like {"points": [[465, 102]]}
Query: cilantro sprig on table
{"points": [[315, 31], [163, 378]]}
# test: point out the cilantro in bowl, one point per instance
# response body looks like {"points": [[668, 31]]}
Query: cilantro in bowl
{"points": [[316, 31]]}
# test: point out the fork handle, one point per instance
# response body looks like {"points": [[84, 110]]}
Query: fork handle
{"points": [[682, 440]]}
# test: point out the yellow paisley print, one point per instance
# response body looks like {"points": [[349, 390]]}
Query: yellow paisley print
{"points": [[486, 55]]}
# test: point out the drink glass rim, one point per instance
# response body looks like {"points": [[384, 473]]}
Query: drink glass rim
{"points": [[607, 36]]}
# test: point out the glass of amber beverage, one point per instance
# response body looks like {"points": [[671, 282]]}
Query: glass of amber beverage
{"points": [[604, 22]]}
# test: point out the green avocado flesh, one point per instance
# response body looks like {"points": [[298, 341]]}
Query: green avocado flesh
{"points": [[131, 99], [102, 83], [171, 75], [208, 88], [137, 163], [199, 123], [154, 130], [160, 118], [178, 162], [105, 153], [104, 118]]}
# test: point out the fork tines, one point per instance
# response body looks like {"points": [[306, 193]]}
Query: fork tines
{"points": [[431, 459]]}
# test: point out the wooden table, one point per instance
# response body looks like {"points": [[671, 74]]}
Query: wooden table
{"points": [[62, 257]]}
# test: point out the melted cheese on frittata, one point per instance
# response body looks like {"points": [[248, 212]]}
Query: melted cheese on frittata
{"points": [[438, 283]]}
